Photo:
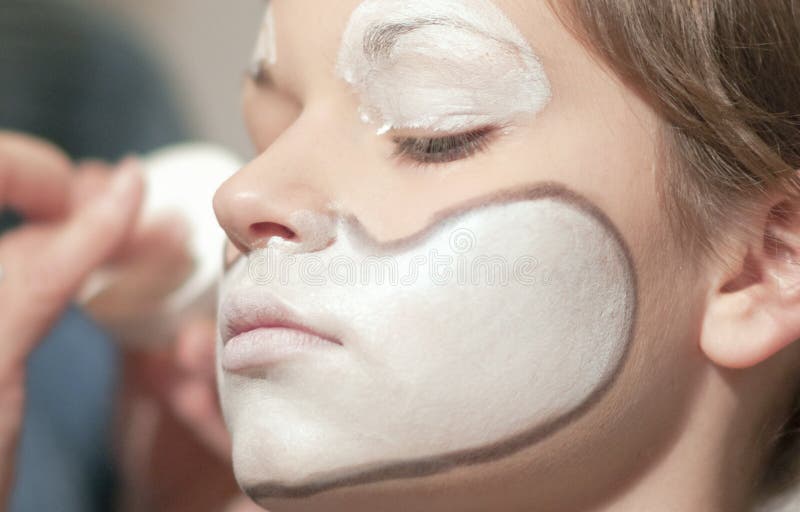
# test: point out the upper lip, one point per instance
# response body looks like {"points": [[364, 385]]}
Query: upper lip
{"points": [[248, 310]]}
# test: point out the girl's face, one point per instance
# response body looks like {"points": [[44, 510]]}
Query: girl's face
{"points": [[460, 288]]}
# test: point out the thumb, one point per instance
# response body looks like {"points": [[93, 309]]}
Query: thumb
{"points": [[89, 237], [95, 231]]}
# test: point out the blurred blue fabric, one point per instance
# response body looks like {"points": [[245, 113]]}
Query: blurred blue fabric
{"points": [[80, 80], [63, 462]]}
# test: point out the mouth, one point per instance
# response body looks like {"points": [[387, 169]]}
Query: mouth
{"points": [[259, 330]]}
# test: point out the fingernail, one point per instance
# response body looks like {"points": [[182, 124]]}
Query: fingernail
{"points": [[125, 176], [119, 192]]}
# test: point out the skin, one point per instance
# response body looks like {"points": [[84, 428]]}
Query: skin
{"points": [[713, 357], [679, 429]]}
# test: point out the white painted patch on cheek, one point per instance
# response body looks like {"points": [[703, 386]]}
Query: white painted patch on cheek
{"points": [[447, 65], [266, 50], [495, 324]]}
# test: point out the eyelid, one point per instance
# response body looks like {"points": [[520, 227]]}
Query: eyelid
{"points": [[420, 150]]}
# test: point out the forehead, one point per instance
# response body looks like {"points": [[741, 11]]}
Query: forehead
{"points": [[328, 19], [309, 32]]}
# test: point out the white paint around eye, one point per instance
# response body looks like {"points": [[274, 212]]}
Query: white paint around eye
{"points": [[468, 66], [266, 50]]}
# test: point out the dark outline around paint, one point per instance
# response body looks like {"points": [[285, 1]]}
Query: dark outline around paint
{"points": [[394, 470]]}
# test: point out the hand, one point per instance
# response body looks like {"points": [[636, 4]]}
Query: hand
{"points": [[68, 233], [128, 296]]}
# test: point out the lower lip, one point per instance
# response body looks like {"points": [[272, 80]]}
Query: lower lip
{"points": [[269, 345]]}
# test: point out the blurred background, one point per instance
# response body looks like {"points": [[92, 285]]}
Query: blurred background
{"points": [[204, 46]]}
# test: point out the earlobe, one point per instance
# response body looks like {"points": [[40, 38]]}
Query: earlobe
{"points": [[754, 312]]}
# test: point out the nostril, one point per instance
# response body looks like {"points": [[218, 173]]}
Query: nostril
{"points": [[267, 230]]}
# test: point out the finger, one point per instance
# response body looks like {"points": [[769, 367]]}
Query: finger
{"points": [[83, 243], [165, 237], [191, 399], [194, 402], [34, 177], [90, 180], [99, 227], [94, 165], [135, 283], [195, 347], [137, 289], [243, 504]]}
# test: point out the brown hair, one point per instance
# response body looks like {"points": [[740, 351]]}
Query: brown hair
{"points": [[725, 76]]}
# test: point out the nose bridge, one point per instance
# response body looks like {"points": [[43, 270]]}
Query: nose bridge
{"points": [[303, 157], [281, 193]]}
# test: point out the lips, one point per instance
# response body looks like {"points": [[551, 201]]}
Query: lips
{"points": [[258, 330]]}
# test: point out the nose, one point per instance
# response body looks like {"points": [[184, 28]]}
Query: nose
{"points": [[252, 209]]}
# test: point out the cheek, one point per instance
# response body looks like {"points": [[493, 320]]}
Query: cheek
{"points": [[497, 327], [521, 316]]}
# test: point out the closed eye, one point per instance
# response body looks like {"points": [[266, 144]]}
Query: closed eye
{"points": [[440, 150]]}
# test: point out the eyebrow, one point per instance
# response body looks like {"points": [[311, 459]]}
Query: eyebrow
{"points": [[380, 39]]}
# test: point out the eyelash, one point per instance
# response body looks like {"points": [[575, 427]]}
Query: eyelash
{"points": [[442, 150], [421, 150]]}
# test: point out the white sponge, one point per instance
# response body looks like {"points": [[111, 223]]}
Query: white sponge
{"points": [[183, 179], [178, 179]]}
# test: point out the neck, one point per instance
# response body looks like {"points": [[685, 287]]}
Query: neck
{"points": [[712, 466]]}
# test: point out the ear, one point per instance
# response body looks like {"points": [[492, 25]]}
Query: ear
{"points": [[754, 310]]}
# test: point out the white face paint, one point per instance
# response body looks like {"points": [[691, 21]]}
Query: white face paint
{"points": [[440, 361], [450, 65], [266, 50]]}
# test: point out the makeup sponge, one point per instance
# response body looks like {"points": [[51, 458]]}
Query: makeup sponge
{"points": [[179, 180], [183, 179]]}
